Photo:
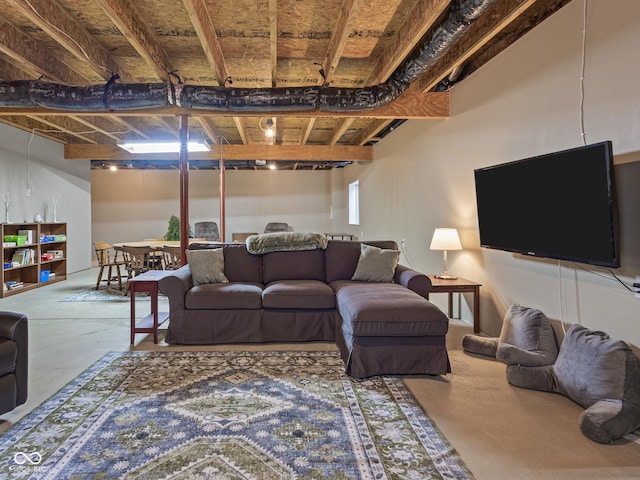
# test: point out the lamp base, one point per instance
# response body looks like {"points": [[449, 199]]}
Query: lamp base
{"points": [[446, 276]]}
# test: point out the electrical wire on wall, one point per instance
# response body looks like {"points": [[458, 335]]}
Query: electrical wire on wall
{"points": [[583, 135], [582, 70], [403, 248]]}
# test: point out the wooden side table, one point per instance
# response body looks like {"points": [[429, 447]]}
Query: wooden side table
{"points": [[147, 282], [459, 285], [340, 236]]}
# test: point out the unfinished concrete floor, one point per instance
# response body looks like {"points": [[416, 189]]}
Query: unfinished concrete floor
{"points": [[501, 432]]}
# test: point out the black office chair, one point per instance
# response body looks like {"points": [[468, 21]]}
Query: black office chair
{"points": [[276, 227], [207, 230]]}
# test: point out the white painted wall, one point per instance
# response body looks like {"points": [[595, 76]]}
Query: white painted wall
{"points": [[36, 163], [522, 103], [130, 205]]}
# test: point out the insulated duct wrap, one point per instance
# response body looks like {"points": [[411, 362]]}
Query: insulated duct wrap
{"points": [[273, 99], [200, 96], [114, 96], [118, 96]]}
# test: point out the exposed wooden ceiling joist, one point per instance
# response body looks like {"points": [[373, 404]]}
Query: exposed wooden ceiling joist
{"points": [[229, 152], [263, 44]]}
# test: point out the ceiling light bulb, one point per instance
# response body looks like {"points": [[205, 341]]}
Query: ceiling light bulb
{"points": [[113, 168], [269, 132]]}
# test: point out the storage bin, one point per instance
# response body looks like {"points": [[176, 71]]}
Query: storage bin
{"points": [[44, 275]]}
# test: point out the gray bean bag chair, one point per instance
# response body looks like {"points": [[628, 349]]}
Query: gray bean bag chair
{"points": [[526, 338], [596, 372]]}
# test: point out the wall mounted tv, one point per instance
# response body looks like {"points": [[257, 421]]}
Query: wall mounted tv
{"points": [[560, 205]]}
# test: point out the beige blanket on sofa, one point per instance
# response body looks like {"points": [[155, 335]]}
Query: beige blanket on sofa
{"points": [[285, 241]]}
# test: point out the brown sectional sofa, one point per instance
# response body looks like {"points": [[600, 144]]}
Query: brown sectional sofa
{"points": [[308, 295]]}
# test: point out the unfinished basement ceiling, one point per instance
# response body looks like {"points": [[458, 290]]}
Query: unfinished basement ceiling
{"points": [[238, 47]]}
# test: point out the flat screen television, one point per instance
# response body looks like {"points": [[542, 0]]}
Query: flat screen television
{"points": [[559, 205]]}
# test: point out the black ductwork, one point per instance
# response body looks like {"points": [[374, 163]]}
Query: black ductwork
{"points": [[215, 164], [121, 96]]}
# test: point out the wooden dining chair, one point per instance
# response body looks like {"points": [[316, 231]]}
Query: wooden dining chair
{"points": [[136, 260], [172, 257], [108, 259]]}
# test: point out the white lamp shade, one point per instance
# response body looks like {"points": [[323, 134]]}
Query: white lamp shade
{"points": [[445, 239]]}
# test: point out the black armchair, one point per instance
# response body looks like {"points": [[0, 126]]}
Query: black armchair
{"points": [[14, 357]]}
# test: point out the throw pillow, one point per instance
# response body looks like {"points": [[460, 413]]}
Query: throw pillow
{"points": [[207, 266], [376, 264]]}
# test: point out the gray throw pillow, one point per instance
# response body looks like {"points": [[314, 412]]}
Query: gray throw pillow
{"points": [[207, 266], [376, 264]]}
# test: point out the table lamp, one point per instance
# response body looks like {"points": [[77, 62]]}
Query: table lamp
{"points": [[445, 239]]}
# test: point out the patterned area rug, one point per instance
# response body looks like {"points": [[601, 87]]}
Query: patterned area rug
{"points": [[228, 415], [104, 294]]}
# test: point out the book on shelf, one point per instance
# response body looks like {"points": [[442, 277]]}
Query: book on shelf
{"points": [[11, 285], [23, 256]]}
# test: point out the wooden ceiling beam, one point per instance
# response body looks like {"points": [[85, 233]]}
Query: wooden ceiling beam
{"points": [[32, 126], [230, 152], [99, 125], [408, 35], [242, 130], [370, 132], [62, 124], [206, 32], [339, 38], [169, 127], [66, 30], [27, 55], [344, 126], [208, 129], [124, 16], [134, 125], [307, 131], [273, 39]]}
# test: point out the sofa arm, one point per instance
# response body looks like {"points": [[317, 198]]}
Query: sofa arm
{"points": [[14, 326], [413, 280], [176, 285]]}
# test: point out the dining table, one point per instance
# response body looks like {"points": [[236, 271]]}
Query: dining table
{"points": [[154, 256]]}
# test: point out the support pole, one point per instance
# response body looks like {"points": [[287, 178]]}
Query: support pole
{"points": [[184, 187], [222, 196]]}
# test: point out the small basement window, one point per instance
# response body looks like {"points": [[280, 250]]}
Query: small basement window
{"points": [[354, 203]]}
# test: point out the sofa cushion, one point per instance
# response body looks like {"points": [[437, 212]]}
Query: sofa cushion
{"points": [[225, 296], [376, 264], [299, 294], [299, 265], [386, 309], [240, 265], [207, 266], [342, 257]]}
